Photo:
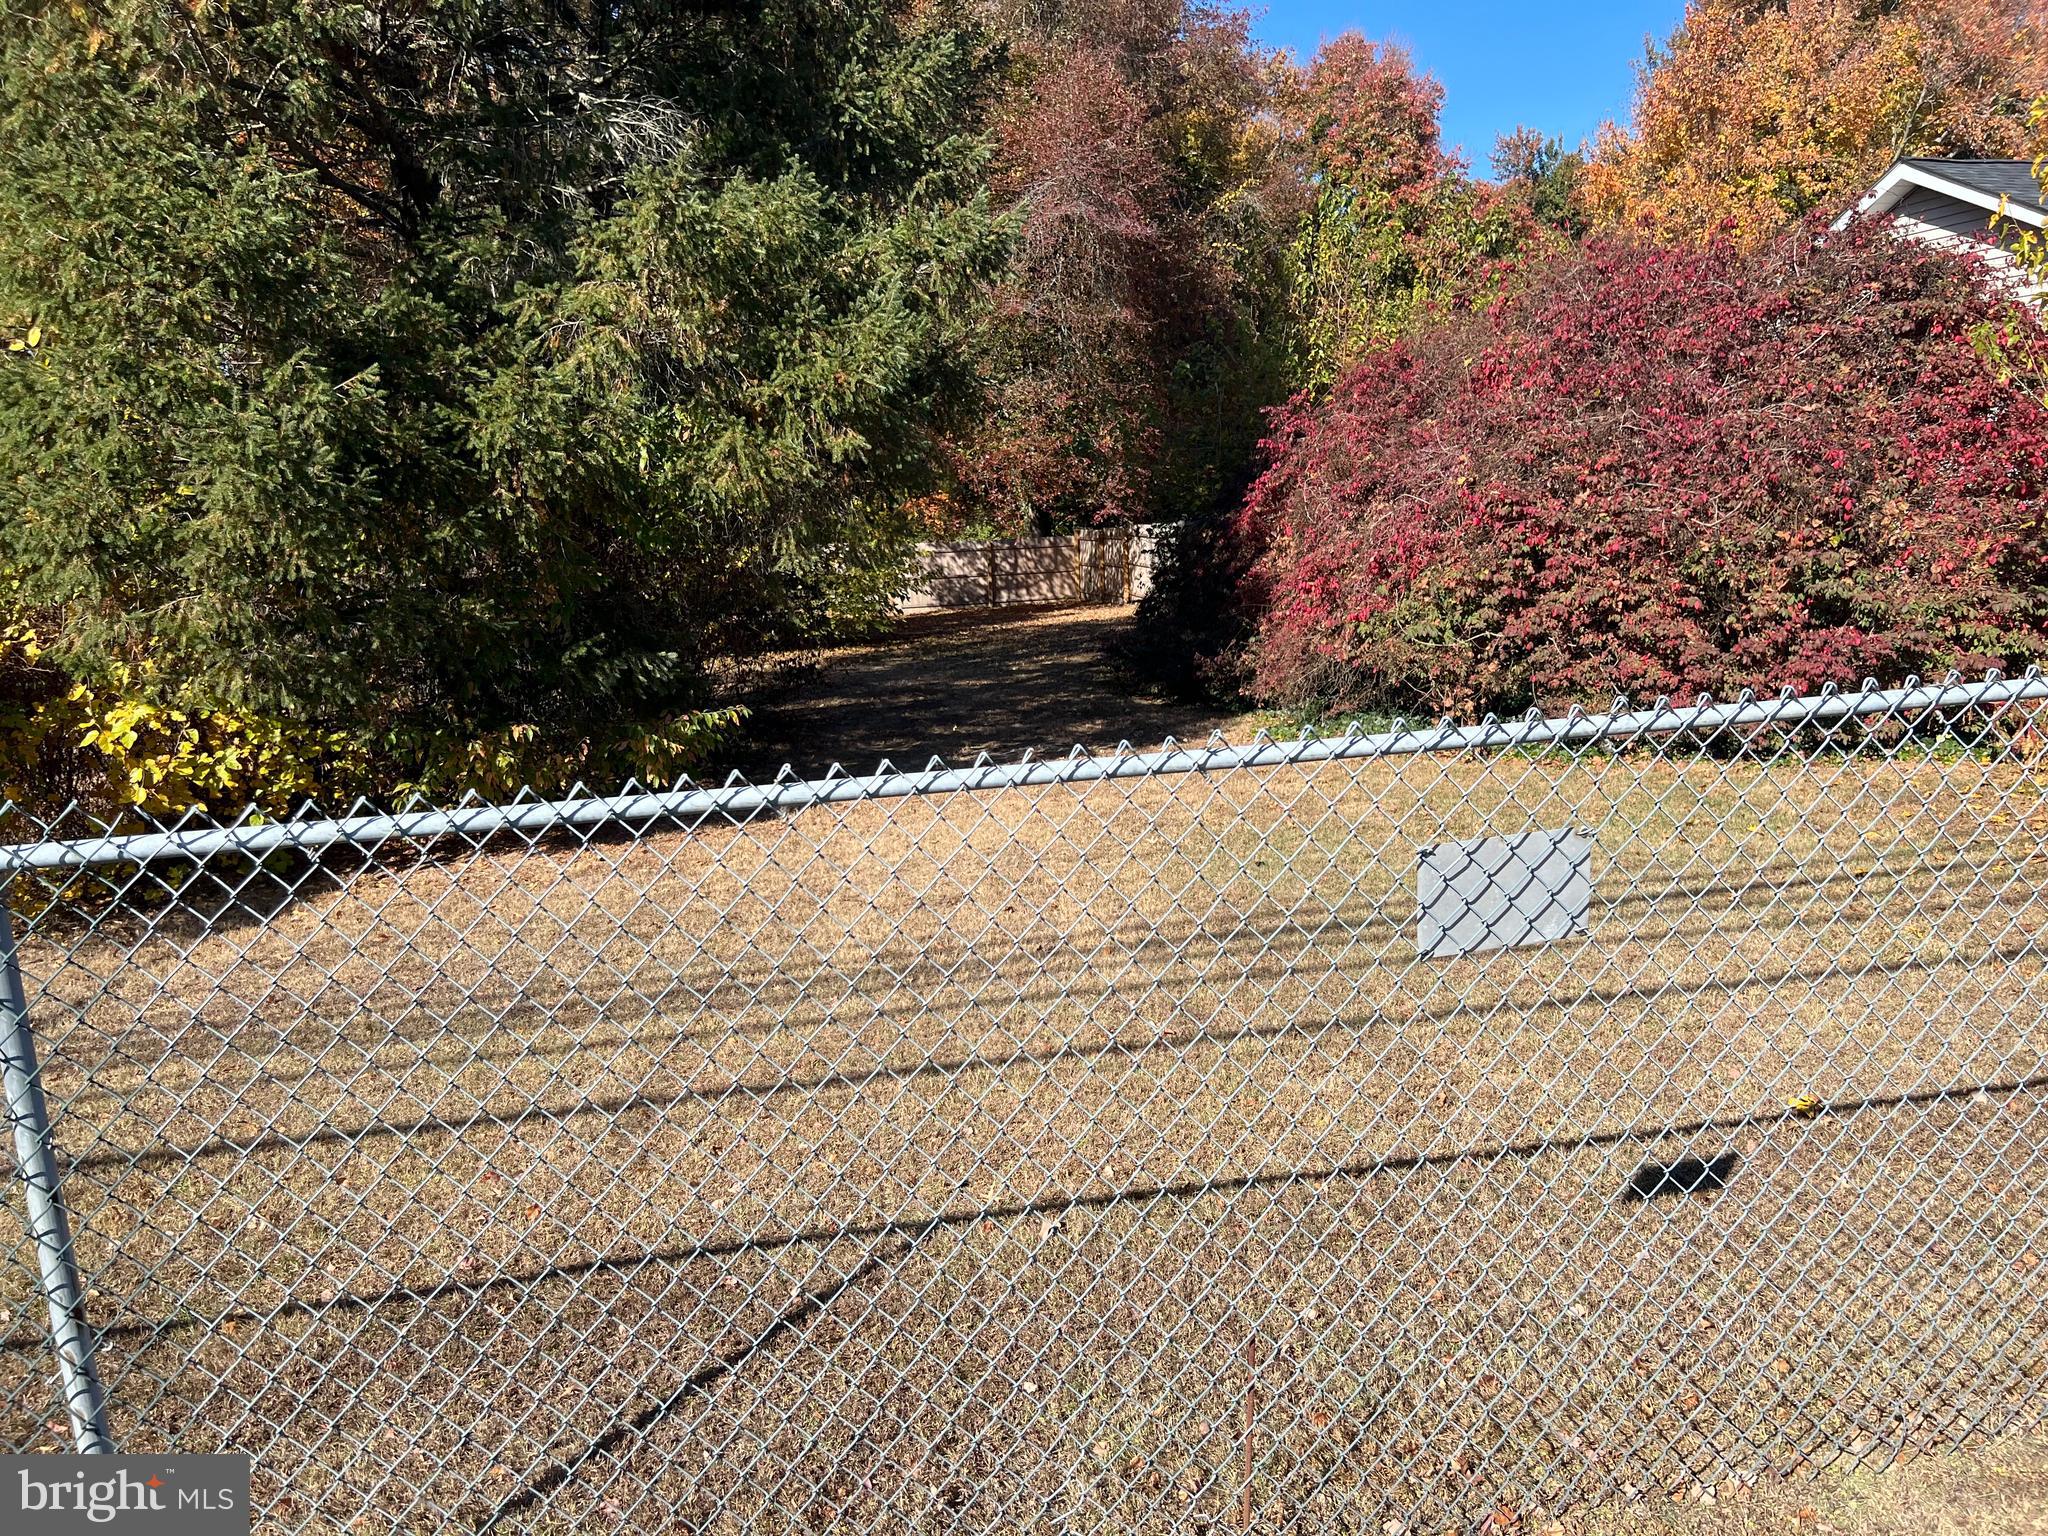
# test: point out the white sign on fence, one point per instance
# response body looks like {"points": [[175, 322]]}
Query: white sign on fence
{"points": [[1500, 892]]}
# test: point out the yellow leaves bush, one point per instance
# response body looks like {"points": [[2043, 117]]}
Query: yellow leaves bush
{"points": [[1753, 115], [118, 748]]}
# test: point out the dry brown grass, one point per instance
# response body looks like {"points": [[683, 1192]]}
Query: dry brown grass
{"points": [[1994, 1488], [1074, 1160]]}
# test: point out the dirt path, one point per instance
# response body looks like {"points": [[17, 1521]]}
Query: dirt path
{"points": [[954, 684]]}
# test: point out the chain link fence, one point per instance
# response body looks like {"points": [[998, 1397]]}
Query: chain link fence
{"points": [[1421, 1129]]}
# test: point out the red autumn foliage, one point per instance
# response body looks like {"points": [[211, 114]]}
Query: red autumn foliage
{"points": [[1073, 418], [1659, 472], [1368, 117], [1128, 351]]}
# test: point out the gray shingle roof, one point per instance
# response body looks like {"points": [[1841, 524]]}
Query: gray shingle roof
{"points": [[2013, 179]]}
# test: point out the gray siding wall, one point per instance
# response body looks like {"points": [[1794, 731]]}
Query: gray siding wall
{"points": [[1952, 224], [1939, 212]]}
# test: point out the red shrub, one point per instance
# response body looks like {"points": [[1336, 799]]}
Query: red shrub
{"points": [[1659, 471]]}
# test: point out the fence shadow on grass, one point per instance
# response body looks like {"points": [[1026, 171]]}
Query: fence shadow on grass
{"points": [[1053, 1204], [947, 1068], [895, 1241]]}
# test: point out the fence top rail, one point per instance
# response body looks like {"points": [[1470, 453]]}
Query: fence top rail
{"points": [[737, 800]]}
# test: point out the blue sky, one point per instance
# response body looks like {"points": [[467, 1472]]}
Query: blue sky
{"points": [[1561, 67]]}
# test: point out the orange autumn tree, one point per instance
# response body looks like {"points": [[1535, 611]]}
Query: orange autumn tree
{"points": [[1755, 113]]}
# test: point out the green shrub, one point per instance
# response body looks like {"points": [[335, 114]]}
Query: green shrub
{"points": [[467, 373]]}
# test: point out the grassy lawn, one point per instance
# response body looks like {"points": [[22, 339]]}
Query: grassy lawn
{"points": [[1076, 1160], [1994, 1488]]}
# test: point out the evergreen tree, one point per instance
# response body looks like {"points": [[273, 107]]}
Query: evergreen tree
{"points": [[418, 366]]}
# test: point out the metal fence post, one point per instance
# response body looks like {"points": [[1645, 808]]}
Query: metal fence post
{"points": [[36, 1153]]}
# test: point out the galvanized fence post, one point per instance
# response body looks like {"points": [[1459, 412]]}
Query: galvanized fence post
{"points": [[35, 1151]]}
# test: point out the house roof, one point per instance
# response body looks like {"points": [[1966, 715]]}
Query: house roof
{"points": [[2007, 187], [2013, 179]]}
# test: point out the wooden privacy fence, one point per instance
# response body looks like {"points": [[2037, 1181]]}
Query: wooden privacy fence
{"points": [[1102, 565]]}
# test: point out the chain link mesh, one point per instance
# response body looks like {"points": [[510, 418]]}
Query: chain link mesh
{"points": [[1088, 1151]]}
